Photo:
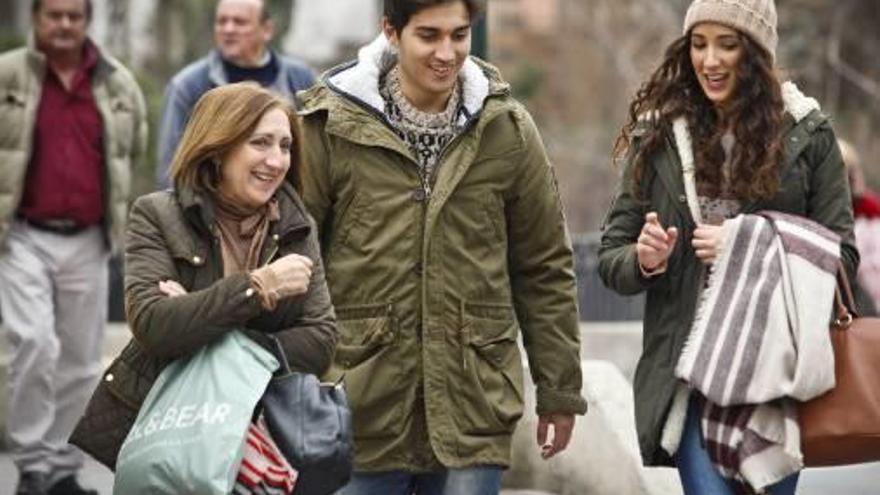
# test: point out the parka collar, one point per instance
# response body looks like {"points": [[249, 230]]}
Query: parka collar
{"points": [[217, 74], [198, 209], [359, 80], [37, 59]]}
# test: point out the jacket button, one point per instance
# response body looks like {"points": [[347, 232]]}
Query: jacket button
{"points": [[249, 292], [109, 377], [419, 195], [417, 268], [275, 237], [682, 198], [197, 260], [794, 139]]}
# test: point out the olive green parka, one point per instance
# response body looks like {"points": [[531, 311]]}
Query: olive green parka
{"points": [[433, 290], [169, 237], [813, 184]]}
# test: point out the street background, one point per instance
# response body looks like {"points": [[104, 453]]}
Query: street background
{"points": [[603, 457], [574, 63]]}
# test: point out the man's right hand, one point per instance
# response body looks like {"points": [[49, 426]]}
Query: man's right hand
{"points": [[655, 243]]}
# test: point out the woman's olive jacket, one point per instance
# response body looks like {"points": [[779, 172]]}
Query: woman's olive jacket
{"points": [[813, 184], [169, 237]]}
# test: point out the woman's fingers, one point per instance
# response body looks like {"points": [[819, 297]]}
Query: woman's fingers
{"points": [[171, 288]]}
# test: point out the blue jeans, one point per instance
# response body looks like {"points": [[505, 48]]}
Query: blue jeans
{"points": [[481, 480], [698, 475]]}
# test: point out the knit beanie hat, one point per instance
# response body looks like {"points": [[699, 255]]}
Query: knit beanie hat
{"points": [[756, 18]]}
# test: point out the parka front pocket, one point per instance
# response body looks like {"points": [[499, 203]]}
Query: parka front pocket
{"points": [[123, 115], [12, 109], [489, 394], [372, 382], [351, 222]]}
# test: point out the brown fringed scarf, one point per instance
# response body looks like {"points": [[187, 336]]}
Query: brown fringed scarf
{"points": [[242, 232]]}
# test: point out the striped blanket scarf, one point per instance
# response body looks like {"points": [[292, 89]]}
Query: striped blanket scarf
{"points": [[760, 339]]}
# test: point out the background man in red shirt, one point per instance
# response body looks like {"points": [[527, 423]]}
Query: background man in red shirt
{"points": [[72, 122]]}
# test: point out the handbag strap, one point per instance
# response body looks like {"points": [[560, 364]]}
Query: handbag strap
{"points": [[280, 355], [846, 308]]}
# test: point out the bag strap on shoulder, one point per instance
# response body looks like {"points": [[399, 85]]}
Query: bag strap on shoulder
{"points": [[845, 302]]}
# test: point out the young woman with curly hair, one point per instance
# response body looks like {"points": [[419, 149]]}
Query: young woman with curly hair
{"points": [[711, 135]]}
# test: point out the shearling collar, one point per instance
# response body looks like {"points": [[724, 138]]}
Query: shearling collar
{"points": [[360, 80]]}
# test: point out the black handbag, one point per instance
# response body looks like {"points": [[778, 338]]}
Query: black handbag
{"points": [[310, 423]]}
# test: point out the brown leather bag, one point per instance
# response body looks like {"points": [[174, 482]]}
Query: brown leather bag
{"points": [[843, 425]]}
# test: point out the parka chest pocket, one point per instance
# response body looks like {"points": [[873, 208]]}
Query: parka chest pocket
{"points": [[366, 338], [191, 267], [123, 114], [12, 108], [489, 393]]}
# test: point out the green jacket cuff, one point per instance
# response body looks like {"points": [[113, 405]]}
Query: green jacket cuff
{"points": [[560, 401]]}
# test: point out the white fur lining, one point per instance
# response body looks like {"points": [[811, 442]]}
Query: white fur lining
{"points": [[798, 105], [674, 426], [361, 80], [686, 155]]}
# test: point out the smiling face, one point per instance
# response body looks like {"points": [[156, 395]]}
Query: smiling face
{"points": [[432, 46], [60, 26], [253, 170], [240, 31], [716, 52]]}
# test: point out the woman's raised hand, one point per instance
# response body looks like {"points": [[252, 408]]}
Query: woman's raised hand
{"points": [[171, 288], [708, 241], [288, 276], [655, 243]]}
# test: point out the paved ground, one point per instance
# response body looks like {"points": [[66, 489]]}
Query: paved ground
{"points": [[608, 444]]}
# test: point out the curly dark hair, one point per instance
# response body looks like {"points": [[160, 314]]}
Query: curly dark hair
{"points": [[755, 115]]}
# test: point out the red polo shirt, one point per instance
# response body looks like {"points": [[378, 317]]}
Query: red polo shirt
{"points": [[65, 176]]}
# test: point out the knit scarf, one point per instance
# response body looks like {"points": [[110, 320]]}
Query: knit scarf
{"points": [[241, 233], [426, 134]]}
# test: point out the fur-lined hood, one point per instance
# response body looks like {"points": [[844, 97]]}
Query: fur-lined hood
{"points": [[358, 81]]}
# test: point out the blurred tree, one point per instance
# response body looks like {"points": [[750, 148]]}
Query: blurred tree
{"points": [[10, 31], [575, 63], [831, 49], [119, 28]]}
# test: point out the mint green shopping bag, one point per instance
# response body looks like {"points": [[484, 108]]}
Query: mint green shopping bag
{"points": [[189, 434]]}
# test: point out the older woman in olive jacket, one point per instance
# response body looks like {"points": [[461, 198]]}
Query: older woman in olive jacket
{"points": [[231, 248]]}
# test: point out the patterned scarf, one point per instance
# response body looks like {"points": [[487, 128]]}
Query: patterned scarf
{"points": [[426, 134], [241, 233]]}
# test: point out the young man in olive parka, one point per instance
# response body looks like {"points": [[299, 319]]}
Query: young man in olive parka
{"points": [[443, 238]]}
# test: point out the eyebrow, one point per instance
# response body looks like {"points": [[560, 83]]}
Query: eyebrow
{"points": [[431, 29], [722, 37]]}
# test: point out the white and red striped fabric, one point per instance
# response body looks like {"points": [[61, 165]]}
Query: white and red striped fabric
{"points": [[264, 470]]}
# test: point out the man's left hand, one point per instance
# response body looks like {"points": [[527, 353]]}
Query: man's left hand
{"points": [[563, 425]]}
